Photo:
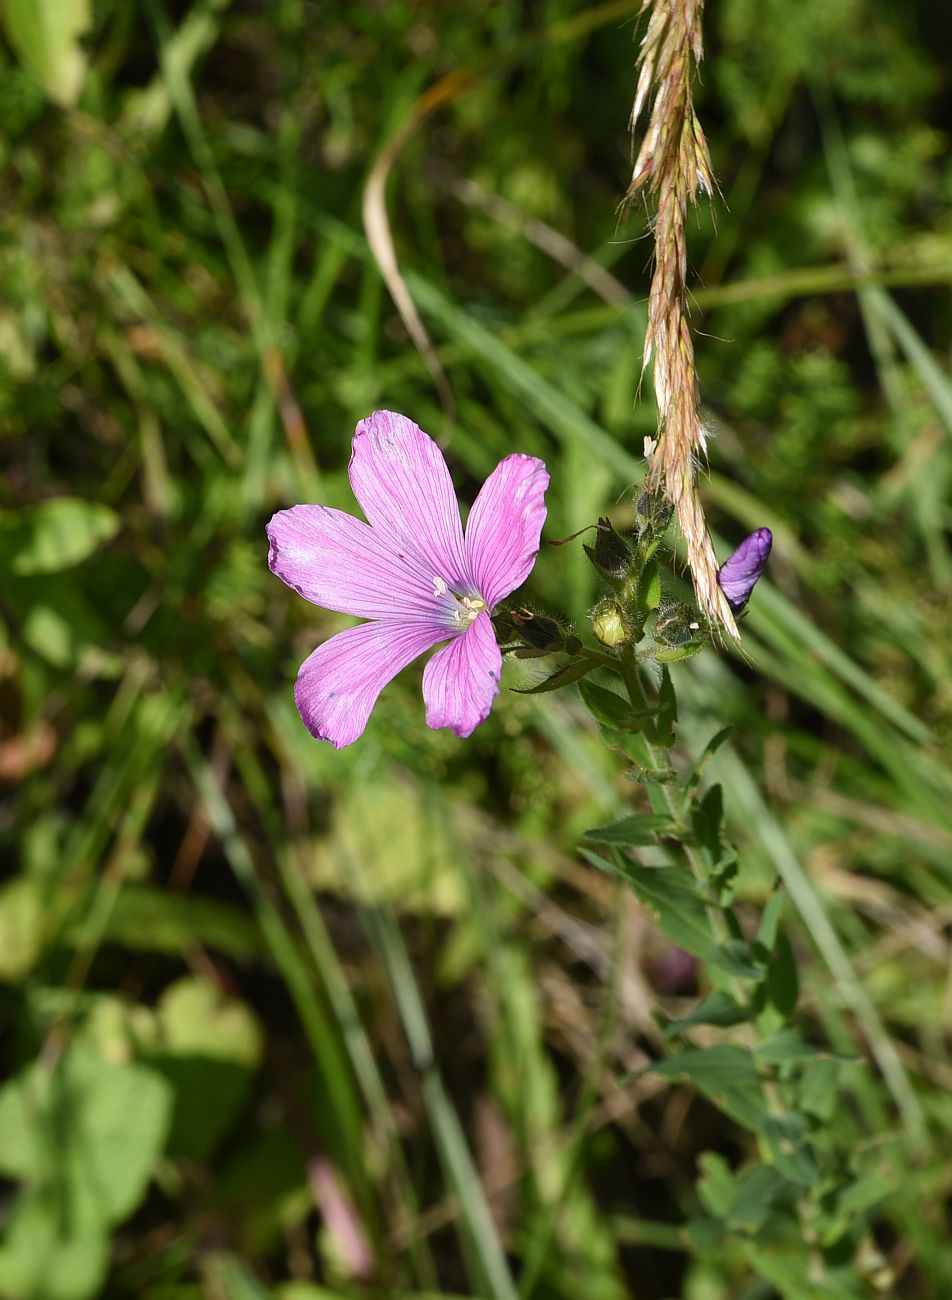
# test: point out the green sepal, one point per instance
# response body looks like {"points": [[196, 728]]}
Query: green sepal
{"points": [[674, 654], [564, 676]]}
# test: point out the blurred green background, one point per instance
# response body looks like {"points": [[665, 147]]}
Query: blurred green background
{"points": [[284, 1022]]}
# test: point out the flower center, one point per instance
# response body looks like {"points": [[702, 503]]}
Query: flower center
{"points": [[460, 609]]}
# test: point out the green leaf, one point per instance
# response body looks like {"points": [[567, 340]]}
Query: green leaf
{"points": [[153, 920], [89, 1128], [54, 535], [635, 747], [46, 36], [44, 1254], [708, 816], [770, 921], [693, 779], [818, 1089], [84, 1136], [210, 1046], [606, 706], [787, 1045], [783, 982], [724, 1073], [737, 958], [717, 1186], [786, 1137], [24, 921], [564, 676], [639, 828], [718, 1008], [760, 1189], [670, 894], [662, 732]]}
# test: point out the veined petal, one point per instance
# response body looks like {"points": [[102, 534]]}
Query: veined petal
{"points": [[339, 562], [404, 488], [338, 685], [504, 525], [461, 681], [740, 572]]}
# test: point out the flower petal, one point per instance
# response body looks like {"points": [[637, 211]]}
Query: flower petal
{"points": [[739, 573], [337, 561], [461, 681], [502, 532], [401, 481], [338, 685]]}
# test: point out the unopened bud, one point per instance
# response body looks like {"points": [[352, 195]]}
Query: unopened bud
{"points": [[608, 623], [611, 555], [676, 626], [654, 511], [538, 630]]}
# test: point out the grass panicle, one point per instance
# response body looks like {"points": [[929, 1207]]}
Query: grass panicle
{"points": [[673, 165]]}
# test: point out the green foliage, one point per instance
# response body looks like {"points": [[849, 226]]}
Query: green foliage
{"points": [[83, 1140]]}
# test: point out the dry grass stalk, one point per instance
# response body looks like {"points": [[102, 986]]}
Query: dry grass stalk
{"points": [[673, 164]]}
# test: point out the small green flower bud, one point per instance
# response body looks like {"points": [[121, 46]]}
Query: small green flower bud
{"points": [[654, 511], [608, 623], [676, 625]]}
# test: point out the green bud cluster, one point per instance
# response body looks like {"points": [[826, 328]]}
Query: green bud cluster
{"points": [[627, 564]]}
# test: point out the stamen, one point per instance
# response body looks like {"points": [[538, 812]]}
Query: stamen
{"points": [[461, 609]]}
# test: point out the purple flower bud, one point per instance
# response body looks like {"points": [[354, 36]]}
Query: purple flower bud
{"points": [[739, 573]]}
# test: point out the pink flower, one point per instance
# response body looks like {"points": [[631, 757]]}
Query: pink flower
{"points": [[413, 574]]}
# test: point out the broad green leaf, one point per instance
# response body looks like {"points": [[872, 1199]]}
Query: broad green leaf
{"points": [[46, 35], [84, 1138], [46, 1253], [606, 706], [718, 1008], [724, 1073], [208, 1047], [53, 535], [153, 920], [196, 1018], [639, 828], [24, 921]]}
